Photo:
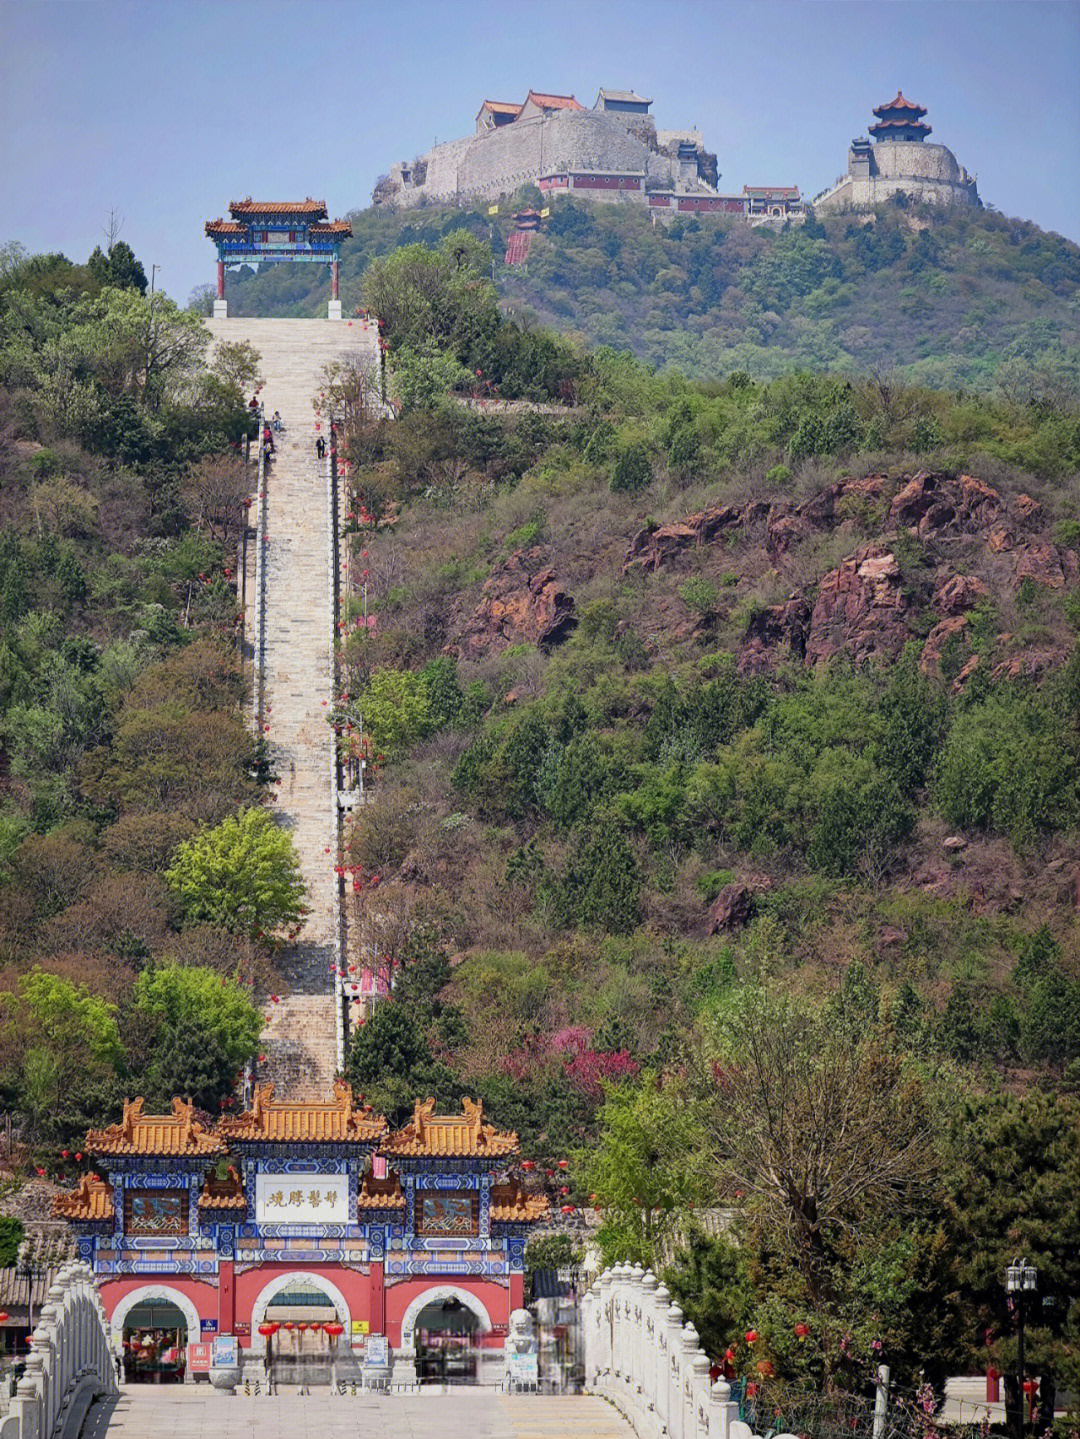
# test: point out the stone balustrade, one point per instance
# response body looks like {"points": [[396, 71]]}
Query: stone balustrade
{"points": [[70, 1362], [641, 1354]]}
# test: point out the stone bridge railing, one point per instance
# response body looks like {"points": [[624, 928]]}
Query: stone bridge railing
{"points": [[69, 1365], [640, 1354]]}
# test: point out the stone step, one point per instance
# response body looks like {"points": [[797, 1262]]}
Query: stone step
{"points": [[299, 1041]]}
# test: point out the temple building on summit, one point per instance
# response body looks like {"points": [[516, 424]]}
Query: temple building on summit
{"points": [[899, 161], [306, 1227], [263, 232]]}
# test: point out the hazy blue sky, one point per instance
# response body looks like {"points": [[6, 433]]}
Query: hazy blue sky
{"points": [[169, 109]]}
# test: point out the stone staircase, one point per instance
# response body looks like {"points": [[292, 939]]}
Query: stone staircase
{"points": [[300, 1039]]}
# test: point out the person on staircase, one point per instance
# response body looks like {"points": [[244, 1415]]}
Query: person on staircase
{"points": [[268, 439], [276, 422], [320, 448]]}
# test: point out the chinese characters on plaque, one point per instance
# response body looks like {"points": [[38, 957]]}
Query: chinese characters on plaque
{"points": [[301, 1199]]}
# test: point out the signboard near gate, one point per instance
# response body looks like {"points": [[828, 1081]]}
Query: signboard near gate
{"points": [[199, 1356], [521, 1370], [225, 1351], [376, 1351], [282, 1198]]}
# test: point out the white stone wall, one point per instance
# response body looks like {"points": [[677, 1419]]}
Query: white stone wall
{"points": [[641, 1355], [70, 1362]]}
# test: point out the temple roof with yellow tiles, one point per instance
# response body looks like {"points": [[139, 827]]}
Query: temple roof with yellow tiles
{"points": [[93, 1200], [175, 1135], [511, 1205], [450, 1136], [226, 1193], [381, 1193], [337, 1121]]}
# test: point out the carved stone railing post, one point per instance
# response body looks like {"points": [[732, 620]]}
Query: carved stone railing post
{"points": [[691, 1348], [701, 1394], [659, 1383], [646, 1351], [723, 1411], [674, 1324], [605, 1334], [633, 1324]]}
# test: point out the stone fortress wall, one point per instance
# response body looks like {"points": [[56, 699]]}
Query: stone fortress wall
{"points": [[927, 173], [482, 167]]}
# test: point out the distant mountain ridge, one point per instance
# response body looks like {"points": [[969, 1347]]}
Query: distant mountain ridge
{"points": [[949, 296]]}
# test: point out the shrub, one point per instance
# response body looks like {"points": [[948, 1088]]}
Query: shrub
{"points": [[632, 470], [243, 875]]}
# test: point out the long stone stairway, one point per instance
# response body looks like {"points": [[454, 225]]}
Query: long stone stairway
{"points": [[300, 1039]]}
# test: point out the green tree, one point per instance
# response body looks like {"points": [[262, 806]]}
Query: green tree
{"points": [[11, 1236], [244, 874], [187, 999], [189, 1059], [601, 886], [396, 710], [633, 470], [391, 1063]]}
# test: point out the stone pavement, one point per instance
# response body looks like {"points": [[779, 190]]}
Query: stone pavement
{"points": [[300, 1038], [192, 1412]]}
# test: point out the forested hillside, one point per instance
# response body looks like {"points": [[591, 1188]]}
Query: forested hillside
{"points": [[122, 735], [955, 298], [727, 741]]}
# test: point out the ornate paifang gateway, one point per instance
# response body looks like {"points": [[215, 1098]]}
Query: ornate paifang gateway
{"points": [[263, 232], [218, 1216]]}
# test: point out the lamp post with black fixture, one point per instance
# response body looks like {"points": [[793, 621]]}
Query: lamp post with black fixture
{"points": [[1021, 1279]]}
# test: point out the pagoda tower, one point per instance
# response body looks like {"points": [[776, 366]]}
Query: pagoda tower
{"points": [[900, 119]]}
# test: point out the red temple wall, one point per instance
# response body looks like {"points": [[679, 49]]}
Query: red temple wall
{"points": [[202, 1293], [355, 1285], [496, 1299]]}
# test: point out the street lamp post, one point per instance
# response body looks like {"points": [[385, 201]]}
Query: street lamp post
{"points": [[1021, 1279]]}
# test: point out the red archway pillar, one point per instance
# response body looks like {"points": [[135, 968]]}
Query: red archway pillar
{"points": [[334, 291], [226, 1297], [221, 279], [378, 1299]]}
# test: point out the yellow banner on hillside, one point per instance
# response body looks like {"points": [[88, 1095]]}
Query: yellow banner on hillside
{"points": [[493, 209], [545, 212]]}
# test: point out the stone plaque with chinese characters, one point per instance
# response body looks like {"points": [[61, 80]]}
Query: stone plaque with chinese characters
{"points": [[302, 1199]]}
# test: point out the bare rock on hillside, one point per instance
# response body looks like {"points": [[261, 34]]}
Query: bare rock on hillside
{"points": [[930, 660], [1031, 663], [775, 628], [654, 547], [1000, 540], [931, 503], [1045, 564], [959, 593], [522, 602], [1025, 506], [860, 609], [732, 907]]}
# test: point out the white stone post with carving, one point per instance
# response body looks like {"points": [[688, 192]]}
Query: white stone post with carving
{"points": [[691, 1348], [674, 1324], [658, 1378], [723, 1411]]}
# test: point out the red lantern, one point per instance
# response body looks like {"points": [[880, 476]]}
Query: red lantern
{"points": [[266, 1330], [564, 1163], [290, 1327], [801, 1330], [568, 1209], [334, 1329], [764, 1368], [729, 1356], [4, 1316], [751, 1336], [78, 1159], [528, 1164], [302, 1327]]}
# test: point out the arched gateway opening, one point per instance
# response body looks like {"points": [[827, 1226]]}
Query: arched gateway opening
{"points": [[445, 1326], [301, 1319]]}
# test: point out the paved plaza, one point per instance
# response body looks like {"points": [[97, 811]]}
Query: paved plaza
{"points": [[187, 1412]]}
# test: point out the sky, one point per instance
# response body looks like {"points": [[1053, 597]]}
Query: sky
{"points": [[166, 110]]}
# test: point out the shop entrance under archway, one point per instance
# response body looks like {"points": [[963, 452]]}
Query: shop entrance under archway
{"points": [[447, 1339], [154, 1342], [303, 1345]]}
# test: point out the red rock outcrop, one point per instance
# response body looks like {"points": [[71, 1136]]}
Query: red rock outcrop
{"points": [[732, 907], [774, 627], [860, 609], [1049, 565], [930, 659], [522, 603], [655, 547], [959, 593], [930, 503]]}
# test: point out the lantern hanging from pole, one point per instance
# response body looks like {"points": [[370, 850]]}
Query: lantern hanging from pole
{"points": [[334, 1329], [266, 1330]]}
